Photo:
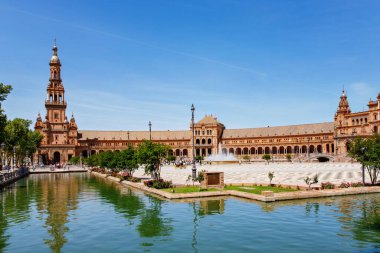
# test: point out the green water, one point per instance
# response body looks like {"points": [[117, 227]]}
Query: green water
{"points": [[81, 213]]}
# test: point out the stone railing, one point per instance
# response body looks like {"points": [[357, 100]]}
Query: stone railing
{"points": [[8, 177]]}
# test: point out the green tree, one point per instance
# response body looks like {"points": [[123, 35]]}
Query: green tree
{"points": [[18, 134], [309, 181], [127, 160], [5, 90], [75, 160], [246, 158], [171, 158], [266, 157], [105, 159], [91, 161], [270, 176], [151, 155], [367, 152]]}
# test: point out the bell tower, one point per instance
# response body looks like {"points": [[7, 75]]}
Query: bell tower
{"points": [[341, 124], [55, 101], [60, 135]]}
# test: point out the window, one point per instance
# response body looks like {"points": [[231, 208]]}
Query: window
{"points": [[56, 115]]}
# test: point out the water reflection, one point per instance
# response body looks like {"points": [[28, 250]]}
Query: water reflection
{"points": [[14, 208], [124, 200], [152, 221], [57, 196], [55, 201], [359, 216]]}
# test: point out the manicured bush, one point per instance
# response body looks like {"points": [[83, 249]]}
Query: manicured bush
{"points": [[327, 185], [357, 184], [99, 170], [158, 184], [133, 179], [345, 185]]}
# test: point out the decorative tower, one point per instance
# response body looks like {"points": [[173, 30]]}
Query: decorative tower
{"points": [[341, 124], [60, 137]]}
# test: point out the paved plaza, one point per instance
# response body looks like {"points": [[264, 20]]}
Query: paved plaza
{"points": [[285, 173]]}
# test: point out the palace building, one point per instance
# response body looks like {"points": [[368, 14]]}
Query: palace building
{"points": [[62, 139]]}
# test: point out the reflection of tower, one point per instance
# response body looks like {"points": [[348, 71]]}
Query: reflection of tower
{"points": [[58, 198], [205, 207]]}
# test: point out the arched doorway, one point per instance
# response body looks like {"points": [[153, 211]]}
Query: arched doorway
{"points": [[57, 157]]}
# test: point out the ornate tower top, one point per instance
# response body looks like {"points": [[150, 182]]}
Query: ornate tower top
{"points": [[54, 58], [343, 104]]}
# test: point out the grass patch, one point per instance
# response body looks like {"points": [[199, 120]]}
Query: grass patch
{"points": [[188, 189], [258, 189]]}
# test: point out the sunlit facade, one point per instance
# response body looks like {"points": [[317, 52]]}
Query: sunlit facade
{"points": [[62, 139]]}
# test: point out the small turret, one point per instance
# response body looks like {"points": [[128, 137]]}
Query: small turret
{"points": [[54, 58], [343, 107], [73, 124], [39, 123]]}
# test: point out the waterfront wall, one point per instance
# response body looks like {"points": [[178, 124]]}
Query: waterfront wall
{"points": [[7, 178]]}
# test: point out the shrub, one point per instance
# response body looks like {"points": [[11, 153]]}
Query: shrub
{"points": [[270, 176], [309, 181], [125, 175], [289, 157], [357, 184], [327, 185], [133, 179], [99, 170], [345, 185], [158, 184]]}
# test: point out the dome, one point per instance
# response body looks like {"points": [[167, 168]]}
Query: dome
{"points": [[54, 59]]}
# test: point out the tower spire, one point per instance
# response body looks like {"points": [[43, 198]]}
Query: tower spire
{"points": [[343, 107]]}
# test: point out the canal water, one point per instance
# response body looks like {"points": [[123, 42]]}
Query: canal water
{"points": [[82, 213]]}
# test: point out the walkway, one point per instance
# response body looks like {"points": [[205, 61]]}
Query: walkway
{"points": [[284, 173], [48, 169]]}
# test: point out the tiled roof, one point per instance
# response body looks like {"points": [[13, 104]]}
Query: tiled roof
{"points": [[135, 135], [208, 119], [327, 127]]}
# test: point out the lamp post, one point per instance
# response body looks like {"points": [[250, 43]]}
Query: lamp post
{"points": [[14, 158], [3, 155], [364, 149], [150, 130], [80, 159], [27, 158], [194, 169]]}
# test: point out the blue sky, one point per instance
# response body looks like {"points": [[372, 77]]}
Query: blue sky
{"points": [[250, 63]]}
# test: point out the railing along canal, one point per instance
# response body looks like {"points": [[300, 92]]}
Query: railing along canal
{"points": [[10, 176]]}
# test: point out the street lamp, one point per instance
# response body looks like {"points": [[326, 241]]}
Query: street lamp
{"points": [[3, 155], [363, 149], [194, 169], [14, 158], [27, 158], [150, 130], [80, 159]]}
